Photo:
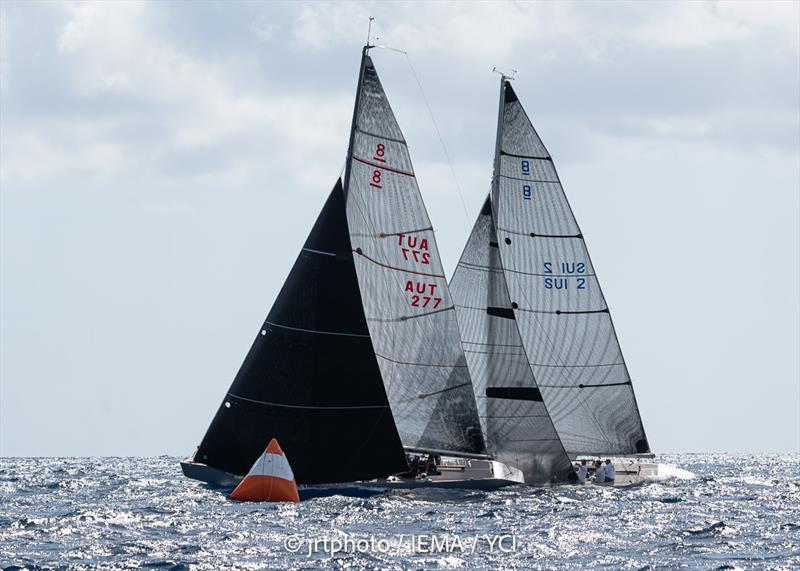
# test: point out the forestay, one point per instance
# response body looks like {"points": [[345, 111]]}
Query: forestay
{"points": [[406, 299], [516, 424], [559, 308]]}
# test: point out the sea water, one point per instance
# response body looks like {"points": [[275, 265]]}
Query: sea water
{"points": [[714, 511]]}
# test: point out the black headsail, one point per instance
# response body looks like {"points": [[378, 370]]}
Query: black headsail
{"points": [[311, 378], [410, 313], [559, 309]]}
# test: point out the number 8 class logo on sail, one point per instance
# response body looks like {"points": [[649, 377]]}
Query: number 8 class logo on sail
{"points": [[377, 174], [525, 168]]}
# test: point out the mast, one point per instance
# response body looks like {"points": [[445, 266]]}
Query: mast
{"points": [[498, 141], [349, 162]]}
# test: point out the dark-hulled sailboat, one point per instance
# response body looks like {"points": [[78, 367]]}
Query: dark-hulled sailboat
{"points": [[360, 362], [549, 376]]}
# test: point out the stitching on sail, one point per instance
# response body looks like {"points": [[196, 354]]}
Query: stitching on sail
{"points": [[535, 235], [308, 406], [577, 366], [362, 254], [448, 389], [384, 167], [500, 270], [529, 179], [362, 131], [505, 154], [407, 317], [560, 312], [582, 386], [447, 366], [404, 232], [319, 252], [316, 330]]}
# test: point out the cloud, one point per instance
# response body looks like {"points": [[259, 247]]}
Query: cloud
{"points": [[161, 164], [134, 91], [201, 121]]}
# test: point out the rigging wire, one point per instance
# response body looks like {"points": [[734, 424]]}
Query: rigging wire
{"points": [[435, 126], [441, 139]]}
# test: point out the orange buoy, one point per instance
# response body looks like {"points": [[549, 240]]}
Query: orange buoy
{"points": [[269, 480]]}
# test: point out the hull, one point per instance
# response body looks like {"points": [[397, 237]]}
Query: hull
{"points": [[454, 473]]}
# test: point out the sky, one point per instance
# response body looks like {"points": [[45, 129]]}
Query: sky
{"points": [[161, 164]]}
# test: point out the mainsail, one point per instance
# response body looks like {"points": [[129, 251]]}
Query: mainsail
{"points": [[558, 306], [516, 424], [311, 378], [410, 313]]}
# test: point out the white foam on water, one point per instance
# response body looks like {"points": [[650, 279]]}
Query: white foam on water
{"points": [[666, 472]]}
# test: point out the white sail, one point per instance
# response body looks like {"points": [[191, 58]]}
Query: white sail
{"points": [[559, 308], [516, 424], [405, 294]]}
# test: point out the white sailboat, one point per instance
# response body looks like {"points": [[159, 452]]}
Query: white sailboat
{"points": [[551, 383], [358, 370]]}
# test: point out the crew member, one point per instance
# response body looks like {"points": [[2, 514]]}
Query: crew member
{"points": [[599, 472], [582, 472], [611, 472]]}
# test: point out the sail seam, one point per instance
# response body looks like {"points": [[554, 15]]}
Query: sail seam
{"points": [[384, 167], [404, 232], [521, 354], [529, 179], [479, 267], [577, 366], [560, 312], [505, 154], [341, 333], [419, 364], [319, 252], [553, 311], [493, 344], [500, 270], [362, 254], [532, 439], [516, 416], [308, 406], [448, 389], [363, 132], [535, 235], [405, 317], [582, 386], [387, 234]]}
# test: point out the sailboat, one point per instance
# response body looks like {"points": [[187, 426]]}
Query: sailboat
{"points": [[550, 380], [358, 370]]}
